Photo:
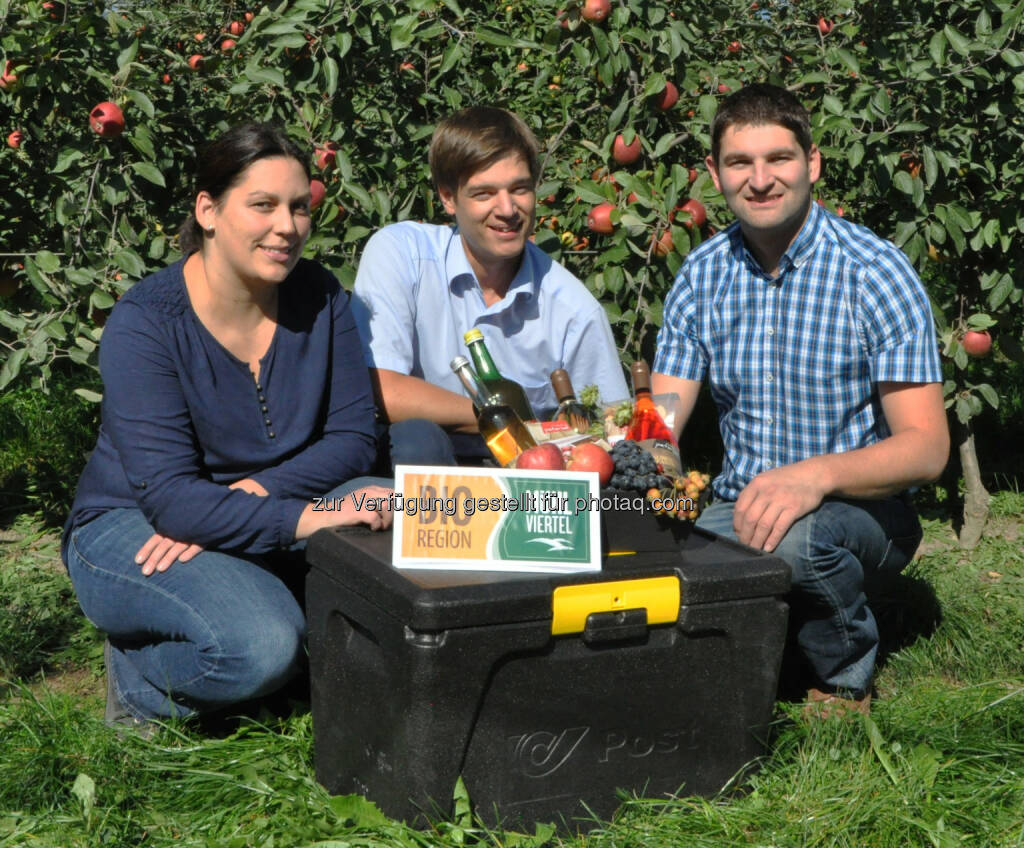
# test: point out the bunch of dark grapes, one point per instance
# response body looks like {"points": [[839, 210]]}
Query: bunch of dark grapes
{"points": [[635, 468]]}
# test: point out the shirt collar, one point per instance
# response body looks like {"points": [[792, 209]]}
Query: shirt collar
{"points": [[796, 254], [462, 278]]}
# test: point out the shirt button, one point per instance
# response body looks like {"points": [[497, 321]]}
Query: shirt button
{"points": [[271, 434], [267, 421], [769, 421], [767, 463], [263, 409], [769, 378], [262, 399], [770, 331]]}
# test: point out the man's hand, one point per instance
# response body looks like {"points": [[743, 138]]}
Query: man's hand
{"points": [[774, 500], [160, 553]]}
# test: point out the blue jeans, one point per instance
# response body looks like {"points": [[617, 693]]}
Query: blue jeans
{"points": [[833, 552], [204, 634], [417, 441]]}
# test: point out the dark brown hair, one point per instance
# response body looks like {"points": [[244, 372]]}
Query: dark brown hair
{"points": [[475, 138], [223, 161], [759, 104]]}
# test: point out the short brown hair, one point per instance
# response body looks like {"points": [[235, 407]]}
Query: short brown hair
{"points": [[759, 104], [473, 139]]}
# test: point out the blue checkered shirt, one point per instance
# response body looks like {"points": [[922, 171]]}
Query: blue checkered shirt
{"points": [[793, 361]]}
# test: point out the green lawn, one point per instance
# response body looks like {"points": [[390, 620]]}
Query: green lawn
{"points": [[939, 763]]}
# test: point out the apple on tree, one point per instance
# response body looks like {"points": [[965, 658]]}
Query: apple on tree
{"points": [[626, 154], [661, 246], [317, 193], [227, 44], [977, 343], [195, 61], [668, 97], [236, 28], [326, 155], [697, 216], [599, 220], [8, 78], [15, 139], [107, 119], [596, 11]]}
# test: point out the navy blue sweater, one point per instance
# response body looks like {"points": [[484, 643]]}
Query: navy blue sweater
{"points": [[183, 418]]}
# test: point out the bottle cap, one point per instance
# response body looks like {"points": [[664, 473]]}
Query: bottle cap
{"points": [[562, 384], [641, 375], [458, 362], [472, 335]]}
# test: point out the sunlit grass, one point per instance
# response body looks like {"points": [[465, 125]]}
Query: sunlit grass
{"points": [[939, 763]]}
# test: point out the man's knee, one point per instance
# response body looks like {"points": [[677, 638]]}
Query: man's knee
{"points": [[418, 441]]}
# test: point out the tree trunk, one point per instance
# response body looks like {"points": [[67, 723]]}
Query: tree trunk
{"points": [[976, 496]]}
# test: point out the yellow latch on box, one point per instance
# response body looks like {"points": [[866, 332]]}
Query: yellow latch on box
{"points": [[572, 604]]}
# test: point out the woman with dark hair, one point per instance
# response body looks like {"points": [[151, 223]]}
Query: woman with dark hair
{"points": [[235, 397]]}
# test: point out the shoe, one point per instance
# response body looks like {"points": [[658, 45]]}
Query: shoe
{"points": [[828, 705], [116, 715]]}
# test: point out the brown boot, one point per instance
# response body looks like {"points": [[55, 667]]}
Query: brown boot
{"points": [[826, 705]]}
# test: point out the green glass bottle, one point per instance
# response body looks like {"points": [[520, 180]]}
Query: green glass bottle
{"points": [[502, 430], [509, 391]]}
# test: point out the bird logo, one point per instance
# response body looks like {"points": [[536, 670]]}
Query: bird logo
{"points": [[553, 544]]}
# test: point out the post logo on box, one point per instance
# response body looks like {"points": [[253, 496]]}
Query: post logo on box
{"points": [[496, 519]]}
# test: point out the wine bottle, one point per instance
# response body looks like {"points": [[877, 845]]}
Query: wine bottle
{"points": [[509, 391], [569, 409], [648, 428], [502, 429]]}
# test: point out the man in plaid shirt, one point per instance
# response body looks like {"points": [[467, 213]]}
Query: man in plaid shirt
{"points": [[817, 339]]}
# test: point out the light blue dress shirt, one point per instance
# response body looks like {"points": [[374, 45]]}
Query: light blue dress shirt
{"points": [[416, 295]]}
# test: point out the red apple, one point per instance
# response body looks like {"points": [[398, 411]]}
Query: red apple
{"points": [[326, 156], [15, 139], [824, 26], [107, 119], [596, 11], [735, 47], [662, 245], [8, 78], [236, 28], [591, 457], [546, 456], [199, 36], [697, 215], [977, 342], [249, 16], [317, 192], [55, 9], [195, 61], [626, 154], [692, 175], [166, 78], [723, 88], [227, 44], [668, 97], [407, 66], [599, 220]]}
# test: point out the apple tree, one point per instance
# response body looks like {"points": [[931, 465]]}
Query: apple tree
{"points": [[915, 106]]}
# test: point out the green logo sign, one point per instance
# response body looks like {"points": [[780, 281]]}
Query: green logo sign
{"points": [[549, 524]]}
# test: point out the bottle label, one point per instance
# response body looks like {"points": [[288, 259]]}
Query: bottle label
{"points": [[504, 447], [665, 454]]}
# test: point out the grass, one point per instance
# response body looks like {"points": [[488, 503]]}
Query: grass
{"points": [[940, 762]]}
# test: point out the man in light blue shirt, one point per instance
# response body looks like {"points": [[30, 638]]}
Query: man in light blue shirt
{"points": [[420, 287]]}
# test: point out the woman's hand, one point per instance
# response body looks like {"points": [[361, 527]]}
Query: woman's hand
{"points": [[370, 505], [251, 486], [160, 553]]}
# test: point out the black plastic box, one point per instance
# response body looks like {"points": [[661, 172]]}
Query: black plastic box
{"points": [[421, 676]]}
